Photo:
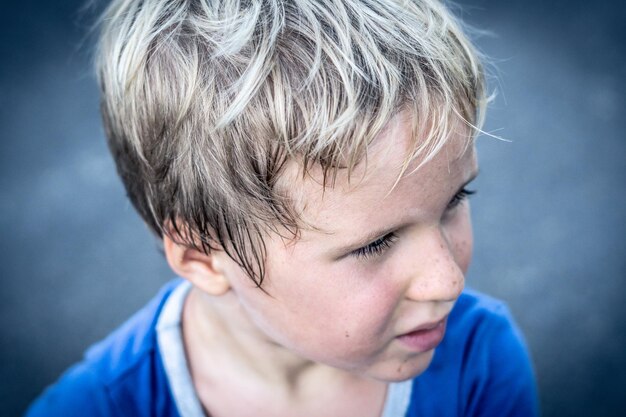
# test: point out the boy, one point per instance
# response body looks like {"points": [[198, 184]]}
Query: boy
{"points": [[305, 164]]}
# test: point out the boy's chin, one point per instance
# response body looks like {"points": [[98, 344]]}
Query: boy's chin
{"points": [[405, 370]]}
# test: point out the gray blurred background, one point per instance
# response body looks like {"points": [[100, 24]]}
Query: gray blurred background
{"points": [[549, 215]]}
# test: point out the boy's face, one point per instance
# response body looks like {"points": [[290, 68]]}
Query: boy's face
{"points": [[380, 264]]}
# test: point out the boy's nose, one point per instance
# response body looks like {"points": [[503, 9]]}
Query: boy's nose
{"points": [[436, 275]]}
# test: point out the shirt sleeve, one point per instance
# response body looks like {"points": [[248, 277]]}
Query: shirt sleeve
{"points": [[504, 384], [78, 393]]}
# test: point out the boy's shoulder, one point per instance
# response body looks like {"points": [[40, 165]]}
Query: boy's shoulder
{"points": [[119, 375], [130, 344], [482, 367]]}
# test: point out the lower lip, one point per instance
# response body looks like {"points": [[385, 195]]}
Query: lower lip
{"points": [[424, 340]]}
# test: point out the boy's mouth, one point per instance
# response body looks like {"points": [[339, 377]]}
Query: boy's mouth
{"points": [[424, 337]]}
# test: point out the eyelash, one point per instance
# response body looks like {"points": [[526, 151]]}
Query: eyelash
{"points": [[459, 197], [379, 246]]}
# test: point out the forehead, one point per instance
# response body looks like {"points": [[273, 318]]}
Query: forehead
{"points": [[382, 179]]}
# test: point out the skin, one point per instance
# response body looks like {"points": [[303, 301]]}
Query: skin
{"points": [[329, 329]]}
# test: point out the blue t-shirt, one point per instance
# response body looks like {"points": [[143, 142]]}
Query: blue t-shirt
{"points": [[481, 368]]}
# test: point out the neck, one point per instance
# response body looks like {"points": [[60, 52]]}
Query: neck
{"points": [[219, 327], [228, 354]]}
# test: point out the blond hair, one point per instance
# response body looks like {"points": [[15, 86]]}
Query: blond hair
{"points": [[204, 101]]}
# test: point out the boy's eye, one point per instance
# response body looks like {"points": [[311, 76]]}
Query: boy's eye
{"points": [[459, 197], [377, 247]]}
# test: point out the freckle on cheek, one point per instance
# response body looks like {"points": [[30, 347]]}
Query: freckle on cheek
{"points": [[347, 334]]}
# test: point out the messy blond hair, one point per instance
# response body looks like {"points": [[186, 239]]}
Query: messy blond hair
{"points": [[204, 101]]}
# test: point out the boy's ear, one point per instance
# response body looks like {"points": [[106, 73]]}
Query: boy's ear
{"points": [[203, 271]]}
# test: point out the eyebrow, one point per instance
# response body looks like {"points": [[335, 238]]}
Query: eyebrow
{"points": [[345, 250]]}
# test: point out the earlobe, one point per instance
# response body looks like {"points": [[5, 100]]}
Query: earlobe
{"points": [[204, 271]]}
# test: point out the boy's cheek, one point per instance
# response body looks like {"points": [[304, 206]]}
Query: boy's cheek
{"points": [[463, 242]]}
